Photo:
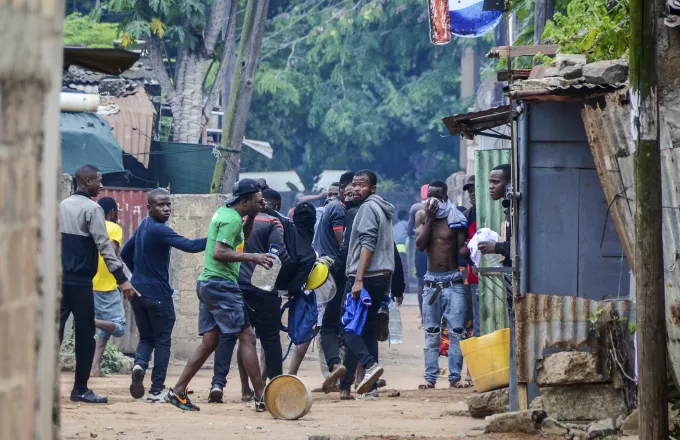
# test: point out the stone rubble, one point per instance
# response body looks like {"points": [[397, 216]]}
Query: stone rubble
{"points": [[528, 422], [577, 402], [569, 368], [481, 405]]}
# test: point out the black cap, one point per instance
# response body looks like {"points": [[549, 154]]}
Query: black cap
{"points": [[241, 188], [470, 183]]}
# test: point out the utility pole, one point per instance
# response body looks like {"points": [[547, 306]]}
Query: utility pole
{"points": [[543, 11], [236, 116], [648, 254]]}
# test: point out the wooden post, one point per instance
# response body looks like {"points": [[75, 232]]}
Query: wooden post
{"points": [[648, 253], [236, 116]]}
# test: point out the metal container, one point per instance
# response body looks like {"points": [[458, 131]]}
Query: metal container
{"points": [[287, 397], [490, 214]]}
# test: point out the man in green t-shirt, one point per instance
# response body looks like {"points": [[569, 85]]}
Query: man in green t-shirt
{"points": [[221, 309]]}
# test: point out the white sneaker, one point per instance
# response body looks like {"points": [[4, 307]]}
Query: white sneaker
{"points": [[159, 397], [370, 377]]}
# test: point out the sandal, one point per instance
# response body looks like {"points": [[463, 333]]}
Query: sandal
{"points": [[246, 398], [88, 397], [460, 384], [426, 386]]}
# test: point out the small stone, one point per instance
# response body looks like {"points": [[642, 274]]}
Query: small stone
{"points": [[552, 426], [93, 435], [108, 428], [537, 403], [551, 72], [568, 59], [602, 428], [571, 72], [578, 435], [481, 405], [528, 422], [606, 72]]}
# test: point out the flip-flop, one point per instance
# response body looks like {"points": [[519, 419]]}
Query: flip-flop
{"points": [[426, 386], [88, 397], [460, 384], [246, 398]]}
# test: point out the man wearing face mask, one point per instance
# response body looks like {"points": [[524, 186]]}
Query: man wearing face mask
{"points": [[441, 232]]}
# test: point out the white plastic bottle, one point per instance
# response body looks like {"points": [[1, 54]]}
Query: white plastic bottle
{"points": [[396, 330], [263, 278]]}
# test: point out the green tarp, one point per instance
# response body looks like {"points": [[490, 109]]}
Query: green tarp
{"points": [[187, 168], [86, 139]]}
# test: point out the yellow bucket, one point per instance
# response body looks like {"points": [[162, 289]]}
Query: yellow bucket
{"points": [[488, 359], [286, 397]]}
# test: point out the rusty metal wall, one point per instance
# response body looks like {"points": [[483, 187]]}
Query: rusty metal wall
{"points": [[131, 211], [546, 322], [490, 214]]}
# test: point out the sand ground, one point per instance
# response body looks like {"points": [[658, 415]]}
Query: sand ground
{"points": [[415, 414]]}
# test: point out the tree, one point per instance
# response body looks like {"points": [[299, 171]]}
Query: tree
{"points": [[182, 41], [356, 83], [82, 30]]}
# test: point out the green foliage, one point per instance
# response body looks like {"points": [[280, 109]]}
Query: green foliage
{"points": [[348, 84], [83, 30], [110, 359], [597, 28]]}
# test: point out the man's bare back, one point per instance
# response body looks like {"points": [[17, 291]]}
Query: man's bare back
{"points": [[442, 248]]}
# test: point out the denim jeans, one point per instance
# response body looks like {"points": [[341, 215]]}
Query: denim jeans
{"points": [[330, 325], [364, 348], [155, 320], [474, 290], [451, 304]]}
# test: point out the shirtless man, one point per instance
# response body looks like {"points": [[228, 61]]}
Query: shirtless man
{"points": [[441, 233]]}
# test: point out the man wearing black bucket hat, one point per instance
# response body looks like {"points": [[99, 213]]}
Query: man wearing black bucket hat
{"points": [[222, 309]]}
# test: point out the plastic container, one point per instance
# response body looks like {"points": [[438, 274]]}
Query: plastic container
{"points": [[287, 397], [396, 329], [488, 359], [263, 278]]}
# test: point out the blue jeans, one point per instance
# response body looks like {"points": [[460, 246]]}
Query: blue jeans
{"points": [[452, 305], [474, 291], [155, 320]]}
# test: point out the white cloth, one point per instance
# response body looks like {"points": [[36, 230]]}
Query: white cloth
{"points": [[484, 234], [454, 217]]}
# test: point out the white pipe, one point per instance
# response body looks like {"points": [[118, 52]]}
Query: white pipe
{"points": [[78, 102]]}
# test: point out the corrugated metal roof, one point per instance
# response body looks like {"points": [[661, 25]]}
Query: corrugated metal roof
{"points": [[551, 89], [490, 214], [133, 124], [558, 322], [277, 180], [470, 124]]}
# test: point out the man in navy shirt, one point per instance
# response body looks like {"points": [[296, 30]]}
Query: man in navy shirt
{"points": [[147, 255]]}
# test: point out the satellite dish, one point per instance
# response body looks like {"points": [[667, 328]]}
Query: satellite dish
{"points": [[470, 20]]}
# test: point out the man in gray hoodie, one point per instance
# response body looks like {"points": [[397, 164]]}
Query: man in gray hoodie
{"points": [[370, 263]]}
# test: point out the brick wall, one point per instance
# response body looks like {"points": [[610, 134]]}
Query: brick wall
{"points": [[30, 79]]}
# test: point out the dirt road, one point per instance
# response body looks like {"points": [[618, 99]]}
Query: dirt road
{"points": [[415, 412]]}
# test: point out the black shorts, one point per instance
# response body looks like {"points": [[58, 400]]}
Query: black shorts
{"points": [[221, 306]]}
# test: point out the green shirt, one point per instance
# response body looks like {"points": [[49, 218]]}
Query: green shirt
{"points": [[226, 227]]}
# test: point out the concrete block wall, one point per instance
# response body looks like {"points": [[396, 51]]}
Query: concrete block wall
{"points": [[30, 80], [191, 215]]}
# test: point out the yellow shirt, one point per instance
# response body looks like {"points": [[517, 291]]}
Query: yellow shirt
{"points": [[103, 281]]}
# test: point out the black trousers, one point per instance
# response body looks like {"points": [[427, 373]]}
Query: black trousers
{"points": [[79, 300], [155, 320], [364, 348], [330, 324], [264, 313]]}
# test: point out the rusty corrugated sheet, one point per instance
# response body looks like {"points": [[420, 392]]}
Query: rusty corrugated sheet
{"points": [[133, 124], [558, 322], [131, 211], [490, 214], [607, 122], [542, 89]]}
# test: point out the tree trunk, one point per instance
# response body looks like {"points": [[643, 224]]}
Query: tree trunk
{"points": [[227, 169], [648, 253], [188, 126], [543, 11], [30, 82]]}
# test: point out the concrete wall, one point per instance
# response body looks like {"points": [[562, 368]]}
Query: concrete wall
{"points": [[30, 81], [191, 218]]}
